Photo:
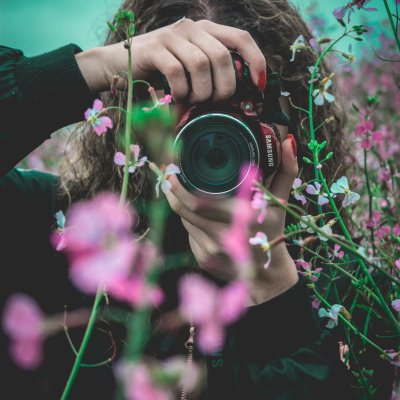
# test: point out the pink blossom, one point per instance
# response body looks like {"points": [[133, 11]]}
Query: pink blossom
{"points": [[120, 159], [99, 123], [211, 309], [397, 264], [337, 252], [259, 202], [23, 321], [308, 272], [157, 102], [98, 241], [340, 12], [235, 238]]}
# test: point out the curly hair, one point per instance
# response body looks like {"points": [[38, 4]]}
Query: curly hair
{"points": [[88, 165]]}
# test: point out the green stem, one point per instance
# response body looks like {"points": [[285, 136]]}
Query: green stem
{"points": [[393, 26], [128, 124], [82, 349]]}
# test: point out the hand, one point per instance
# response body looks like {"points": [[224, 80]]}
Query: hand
{"points": [[205, 225], [199, 48]]}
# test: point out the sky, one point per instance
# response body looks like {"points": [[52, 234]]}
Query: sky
{"points": [[37, 26]]}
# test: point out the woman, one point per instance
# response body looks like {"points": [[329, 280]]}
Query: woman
{"points": [[272, 353]]}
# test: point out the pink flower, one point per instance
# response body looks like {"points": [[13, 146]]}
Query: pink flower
{"points": [[259, 202], [163, 173], [297, 189], [396, 305], [99, 123], [23, 321], [337, 252], [308, 272], [98, 241], [315, 189], [340, 12], [120, 159], [235, 238], [157, 102], [397, 264], [211, 309]]}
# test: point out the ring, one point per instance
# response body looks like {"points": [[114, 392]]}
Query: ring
{"points": [[175, 24]]}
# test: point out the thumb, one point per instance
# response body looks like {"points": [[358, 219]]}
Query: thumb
{"points": [[282, 183]]}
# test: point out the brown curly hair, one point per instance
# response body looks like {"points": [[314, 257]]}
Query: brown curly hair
{"points": [[274, 24]]}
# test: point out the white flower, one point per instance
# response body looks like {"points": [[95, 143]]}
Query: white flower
{"points": [[321, 93], [260, 239], [342, 186], [163, 174], [298, 45]]}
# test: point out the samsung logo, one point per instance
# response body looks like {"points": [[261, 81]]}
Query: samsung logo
{"points": [[270, 154]]}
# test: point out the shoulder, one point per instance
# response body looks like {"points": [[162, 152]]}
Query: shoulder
{"points": [[30, 190]]}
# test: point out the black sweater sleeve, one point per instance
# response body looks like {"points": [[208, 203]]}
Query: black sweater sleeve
{"points": [[38, 95], [280, 351]]}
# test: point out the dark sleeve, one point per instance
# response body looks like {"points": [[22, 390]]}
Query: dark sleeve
{"points": [[279, 351], [38, 95]]}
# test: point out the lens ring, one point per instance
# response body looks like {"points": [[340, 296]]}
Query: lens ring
{"points": [[239, 134]]}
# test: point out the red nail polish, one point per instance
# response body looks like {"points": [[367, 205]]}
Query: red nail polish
{"points": [[262, 81], [294, 144]]}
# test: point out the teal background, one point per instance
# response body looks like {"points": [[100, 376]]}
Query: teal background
{"points": [[36, 26]]}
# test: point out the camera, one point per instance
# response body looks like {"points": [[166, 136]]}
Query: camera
{"points": [[215, 139]]}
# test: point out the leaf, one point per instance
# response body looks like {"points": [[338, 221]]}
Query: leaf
{"points": [[112, 26], [132, 30], [307, 160], [329, 155]]}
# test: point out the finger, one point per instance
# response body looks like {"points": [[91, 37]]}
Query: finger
{"points": [[210, 246], [196, 63], [282, 183], [211, 227], [223, 72], [173, 70], [240, 40]]}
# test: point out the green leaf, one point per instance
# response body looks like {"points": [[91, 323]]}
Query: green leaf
{"points": [[307, 160], [313, 144], [112, 27], [322, 146], [132, 30], [329, 155]]}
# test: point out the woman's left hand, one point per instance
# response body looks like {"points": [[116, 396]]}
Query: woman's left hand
{"points": [[205, 225]]}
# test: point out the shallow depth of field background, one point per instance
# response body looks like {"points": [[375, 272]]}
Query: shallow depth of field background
{"points": [[36, 26]]}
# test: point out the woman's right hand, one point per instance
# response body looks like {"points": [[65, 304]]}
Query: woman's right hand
{"points": [[200, 49]]}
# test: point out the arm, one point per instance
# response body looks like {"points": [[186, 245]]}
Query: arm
{"points": [[38, 95]]}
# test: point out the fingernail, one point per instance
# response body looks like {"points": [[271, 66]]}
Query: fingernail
{"points": [[294, 145], [262, 80]]}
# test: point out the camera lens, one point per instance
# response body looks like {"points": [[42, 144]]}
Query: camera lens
{"points": [[211, 150]]}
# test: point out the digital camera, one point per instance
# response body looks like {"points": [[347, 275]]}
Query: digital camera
{"points": [[214, 140]]}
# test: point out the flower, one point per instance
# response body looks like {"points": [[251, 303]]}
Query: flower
{"points": [[396, 305], [321, 93], [235, 238], [350, 58], [23, 321], [157, 102], [308, 272], [327, 228], [298, 187], [317, 75], [342, 186], [260, 239], [211, 309], [120, 159], [337, 252], [332, 314], [340, 12], [397, 264], [163, 173], [259, 202], [315, 189], [298, 45], [99, 123], [98, 241]]}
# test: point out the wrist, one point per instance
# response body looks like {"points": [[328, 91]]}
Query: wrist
{"points": [[91, 64], [280, 276]]}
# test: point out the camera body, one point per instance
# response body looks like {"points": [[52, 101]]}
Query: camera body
{"points": [[214, 140]]}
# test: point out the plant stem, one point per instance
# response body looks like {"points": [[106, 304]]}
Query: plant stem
{"points": [[393, 26], [128, 123], [82, 349]]}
